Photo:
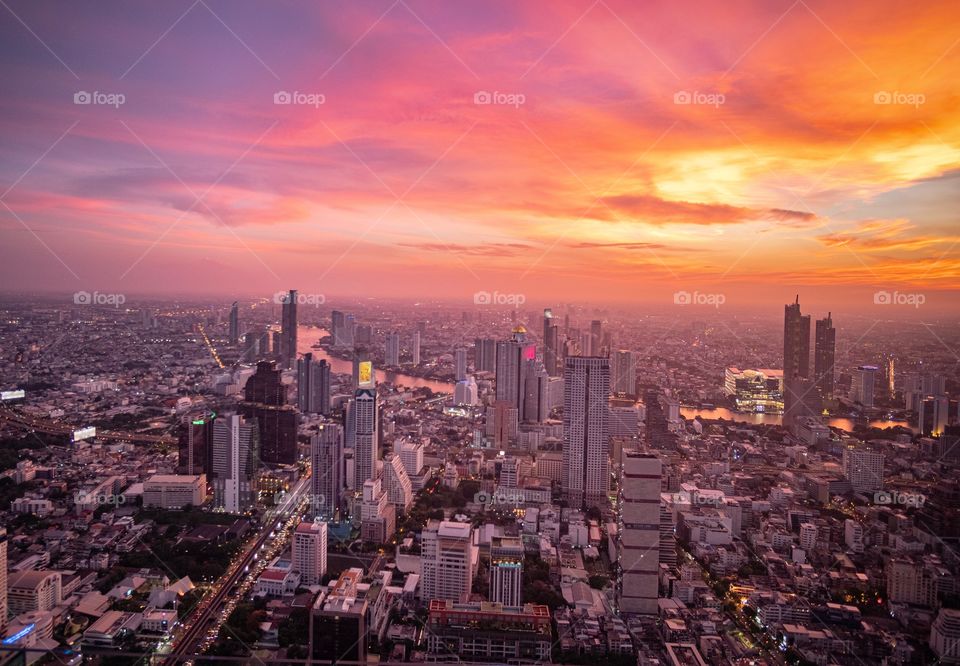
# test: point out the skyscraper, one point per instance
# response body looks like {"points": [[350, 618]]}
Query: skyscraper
{"points": [[416, 347], [639, 545], [328, 465], [536, 406], [265, 385], [234, 323], [586, 387], [266, 402], [460, 364], [447, 559], [796, 360], [864, 385], [234, 463], [485, 354], [310, 551], [550, 340], [624, 373], [391, 355], [363, 429], [824, 354], [396, 482], [313, 385], [506, 570], [196, 434], [596, 337], [288, 343], [511, 355]]}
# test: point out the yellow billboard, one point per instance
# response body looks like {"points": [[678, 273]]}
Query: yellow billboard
{"points": [[365, 372]]}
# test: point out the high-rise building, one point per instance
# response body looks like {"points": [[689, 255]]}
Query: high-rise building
{"points": [[668, 536], [265, 386], [466, 393], [396, 482], [624, 373], [796, 357], [234, 463], [460, 364], [234, 323], [485, 355], [864, 385], [251, 346], [639, 546], [327, 463], [391, 355], [378, 517], [511, 355], [337, 324], [586, 387], [448, 560], [363, 432], [265, 399], [550, 345], [824, 356], [596, 337], [933, 415], [310, 551], [288, 323], [313, 385], [945, 636], [411, 455], [3, 581], [416, 347], [863, 468], [506, 570], [338, 622], [196, 434], [536, 405]]}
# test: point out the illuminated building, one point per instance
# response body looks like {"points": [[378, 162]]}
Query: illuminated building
{"points": [[236, 444], [363, 426], [196, 434], [796, 359], [759, 390], [310, 551], [448, 558], [506, 570]]}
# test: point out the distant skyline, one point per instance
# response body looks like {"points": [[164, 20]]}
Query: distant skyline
{"points": [[753, 149]]}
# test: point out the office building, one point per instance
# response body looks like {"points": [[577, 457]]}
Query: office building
{"points": [[864, 385], [536, 406], [501, 423], [31, 590], [378, 517], [639, 546], [466, 393], [411, 455], [288, 330], [485, 355], [488, 632], [824, 356], [310, 551], [511, 355], [796, 358], [236, 444], [265, 386], [459, 364], [933, 415], [448, 560], [586, 387], [863, 468], [328, 465], [506, 570], [391, 354], [549, 343], [623, 373], [265, 401], [174, 491], [363, 433], [338, 622], [396, 482], [234, 323], [313, 385], [596, 338], [416, 347], [945, 636], [196, 434]]}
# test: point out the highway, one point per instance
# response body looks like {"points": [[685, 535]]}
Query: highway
{"points": [[195, 626], [23, 421]]}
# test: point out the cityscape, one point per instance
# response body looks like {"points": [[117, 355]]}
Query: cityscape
{"points": [[505, 333]]}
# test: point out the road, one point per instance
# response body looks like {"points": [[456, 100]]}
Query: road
{"points": [[18, 419], [195, 626]]}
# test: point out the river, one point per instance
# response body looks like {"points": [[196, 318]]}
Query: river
{"points": [[776, 419], [308, 336]]}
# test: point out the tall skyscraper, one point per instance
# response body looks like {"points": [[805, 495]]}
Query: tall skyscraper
{"points": [[536, 405], [313, 385], [623, 374], [586, 387], [416, 347], [796, 360], [265, 385], [196, 435], [596, 337], [447, 560], [337, 324], [310, 551], [234, 323], [396, 482], [639, 545], [391, 355], [506, 570], [3, 581], [288, 322], [266, 402], [511, 355], [363, 429], [234, 463], [864, 385], [329, 468], [460, 364], [485, 354], [550, 343], [824, 354]]}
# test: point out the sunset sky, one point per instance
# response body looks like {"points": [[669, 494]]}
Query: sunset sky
{"points": [[821, 154]]}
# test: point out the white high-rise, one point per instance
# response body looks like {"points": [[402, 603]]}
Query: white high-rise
{"points": [[329, 469], [460, 364], [396, 482], [448, 560], [310, 551], [586, 467], [506, 570], [465, 393], [363, 434], [411, 455], [234, 463], [863, 468], [639, 546]]}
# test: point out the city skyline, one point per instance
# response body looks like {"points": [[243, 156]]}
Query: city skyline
{"points": [[447, 151]]}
